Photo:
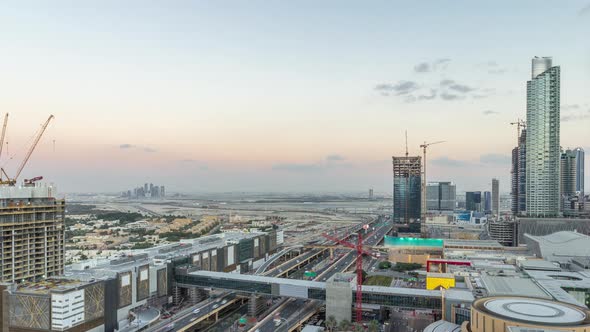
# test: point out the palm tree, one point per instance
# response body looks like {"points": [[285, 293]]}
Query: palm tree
{"points": [[344, 325], [331, 323], [373, 326], [358, 327]]}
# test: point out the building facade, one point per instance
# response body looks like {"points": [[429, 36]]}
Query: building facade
{"points": [[32, 228], [568, 173], [487, 202], [579, 170], [473, 201], [496, 197], [542, 140], [441, 196], [407, 176]]}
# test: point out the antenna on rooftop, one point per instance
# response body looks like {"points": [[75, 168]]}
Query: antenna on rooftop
{"points": [[407, 143]]}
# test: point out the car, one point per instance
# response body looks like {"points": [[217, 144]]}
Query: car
{"points": [[216, 306], [224, 302], [193, 319], [196, 311]]}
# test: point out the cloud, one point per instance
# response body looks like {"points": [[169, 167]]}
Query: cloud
{"points": [[295, 167], [398, 89], [422, 67], [450, 96], [570, 107], [461, 88], [490, 112], [495, 159], [127, 146], [436, 65], [431, 96], [493, 67], [585, 10], [576, 117], [335, 157], [447, 162]]}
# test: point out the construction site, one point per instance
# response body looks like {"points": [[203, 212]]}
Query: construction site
{"points": [[31, 222]]}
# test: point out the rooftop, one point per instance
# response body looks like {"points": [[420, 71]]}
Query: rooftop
{"points": [[105, 268], [497, 285], [535, 311], [47, 285]]}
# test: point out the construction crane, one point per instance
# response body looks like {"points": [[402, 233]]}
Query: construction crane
{"points": [[3, 133], [359, 267], [520, 124], [424, 147], [12, 182]]}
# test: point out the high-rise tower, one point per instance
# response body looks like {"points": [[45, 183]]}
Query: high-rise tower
{"points": [[407, 198], [542, 139], [496, 197], [32, 233], [579, 170]]}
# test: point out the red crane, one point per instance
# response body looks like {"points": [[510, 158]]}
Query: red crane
{"points": [[359, 267]]}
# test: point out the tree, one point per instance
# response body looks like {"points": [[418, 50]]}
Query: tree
{"points": [[331, 323], [373, 326], [344, 325], [384, 265], [83, 257], [358, 327]]}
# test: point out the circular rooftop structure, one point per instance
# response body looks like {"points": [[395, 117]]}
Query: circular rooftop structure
{"points": [[535, 310], [528, 311]]}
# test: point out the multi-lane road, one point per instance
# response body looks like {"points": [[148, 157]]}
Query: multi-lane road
{"points": [[291, 310]]}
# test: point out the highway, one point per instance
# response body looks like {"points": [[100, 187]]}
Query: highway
{"points": [[183, 319], [290, 312]]}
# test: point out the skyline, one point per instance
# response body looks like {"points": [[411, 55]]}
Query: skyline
{"points": [[174, 95]]}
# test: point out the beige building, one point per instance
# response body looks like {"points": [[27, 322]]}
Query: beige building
{"points": [[32, 233]]}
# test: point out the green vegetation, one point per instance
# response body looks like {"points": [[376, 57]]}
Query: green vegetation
{"points": [[175, 236], [384, 265], [71, 234], [378, 281], [403, 267], [142, 245], [123, 217]]}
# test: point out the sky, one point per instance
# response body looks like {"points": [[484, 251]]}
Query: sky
{"points": [[283, 96]]}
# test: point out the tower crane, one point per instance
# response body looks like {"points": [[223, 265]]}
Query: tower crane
{"points": [[424, 147], [3, 133], [360, 251], [12, 182], [520, 124]]}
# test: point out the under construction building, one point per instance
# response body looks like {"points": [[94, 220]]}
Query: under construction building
{"points": [[407, 178], [32, 233]]}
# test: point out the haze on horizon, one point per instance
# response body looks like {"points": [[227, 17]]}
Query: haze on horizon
{"points": [[283, 96]]}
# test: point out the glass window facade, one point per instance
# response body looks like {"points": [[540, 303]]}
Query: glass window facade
{"points": [[542, 140]]}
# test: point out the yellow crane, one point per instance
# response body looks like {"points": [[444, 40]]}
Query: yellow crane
{"points": [[424, 147], [8, 180]]}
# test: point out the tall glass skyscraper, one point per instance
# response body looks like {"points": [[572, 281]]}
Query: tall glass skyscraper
{"points": [[407, 193], [579, 169], [542, 139]]}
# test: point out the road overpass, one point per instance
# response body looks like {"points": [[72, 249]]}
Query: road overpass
{"points": [[312, 290]]}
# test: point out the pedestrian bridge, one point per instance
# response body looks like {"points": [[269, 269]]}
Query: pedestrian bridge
{"points": [[315, 290]]}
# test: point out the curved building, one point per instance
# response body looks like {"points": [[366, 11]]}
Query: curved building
{"points": [[498, 314]]}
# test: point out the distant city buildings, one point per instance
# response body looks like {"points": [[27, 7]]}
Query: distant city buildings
{"points": [[407, 176], [487, 200], [496, 197], [371, 194], [146, 191], [441, 196], [542, 140], [473, 201]]}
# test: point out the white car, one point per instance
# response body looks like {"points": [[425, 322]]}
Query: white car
{"points": [[216, 306], [196, 311], [224, 302], [193, 319]]}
